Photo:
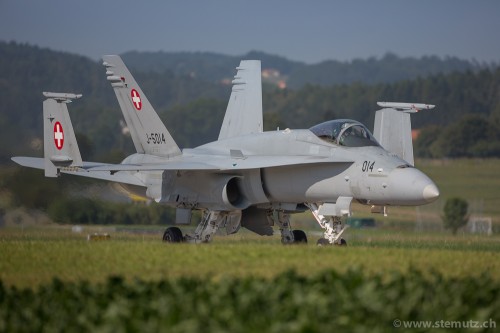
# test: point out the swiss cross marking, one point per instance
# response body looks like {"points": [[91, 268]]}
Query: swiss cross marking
{"points": [[136, 99], [58, 135]]}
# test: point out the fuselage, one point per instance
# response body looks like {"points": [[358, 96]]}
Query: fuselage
{"points": [[369, 174]]}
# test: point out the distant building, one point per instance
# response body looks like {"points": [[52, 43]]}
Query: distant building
{"points": [[274, 77], [282, 84], [414, 134], [269, 75]]}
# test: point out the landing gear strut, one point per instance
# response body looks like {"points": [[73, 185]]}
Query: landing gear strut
{"points": [[331, 224], [288, 236], [212, 221]]}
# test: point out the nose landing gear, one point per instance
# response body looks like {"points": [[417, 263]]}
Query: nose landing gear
{"points": [[333, 226]]}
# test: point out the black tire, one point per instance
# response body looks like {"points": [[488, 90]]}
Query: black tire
{"points": [[299, 236], [342, 242], [173, 235], [323, 242]]}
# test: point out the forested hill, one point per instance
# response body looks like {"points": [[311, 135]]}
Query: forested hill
{"points": [[206, 66], [192, 105], [213, 67], [26, 71]]}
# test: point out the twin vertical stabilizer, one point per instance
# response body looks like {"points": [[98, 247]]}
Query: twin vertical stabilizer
{"points": [[393, 127], [149, 134], [244, 110], [59, 142]]}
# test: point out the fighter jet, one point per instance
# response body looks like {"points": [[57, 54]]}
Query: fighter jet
{"points": [[248, 178]]}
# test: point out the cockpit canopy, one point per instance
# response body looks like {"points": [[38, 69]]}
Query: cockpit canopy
{"points": [[344, 132]]}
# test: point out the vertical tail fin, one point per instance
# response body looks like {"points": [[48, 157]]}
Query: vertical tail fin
{"points": [[148, 132], [393, 127], [244, 110], [59, 141]]}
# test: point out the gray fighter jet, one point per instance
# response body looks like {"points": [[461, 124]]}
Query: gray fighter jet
{"points": [[248, 178]]}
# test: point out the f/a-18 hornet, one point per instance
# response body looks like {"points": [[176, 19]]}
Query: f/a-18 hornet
{"points": [[248, 178]]}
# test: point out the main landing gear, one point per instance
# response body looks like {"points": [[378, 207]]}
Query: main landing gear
{"points": [[212, 221], [288, 236], [328, 216], [173, 235]]}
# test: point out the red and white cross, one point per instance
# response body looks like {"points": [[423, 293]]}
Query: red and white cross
{"points": [[58, 135], [136, 99]]}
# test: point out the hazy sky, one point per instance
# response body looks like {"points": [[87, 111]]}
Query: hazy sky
{"points": [[308, 31]]}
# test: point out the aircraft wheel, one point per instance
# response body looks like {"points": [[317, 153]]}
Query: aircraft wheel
{"points": [[172, 235], [342, 242], [323, 242], [299, 236]]}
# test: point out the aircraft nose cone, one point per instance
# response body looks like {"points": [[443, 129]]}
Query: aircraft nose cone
{"points": [[411, 187], [431, 193]]}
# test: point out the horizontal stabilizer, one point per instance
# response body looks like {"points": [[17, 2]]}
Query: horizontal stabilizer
{"points": [[30, 162], [39, 163]]}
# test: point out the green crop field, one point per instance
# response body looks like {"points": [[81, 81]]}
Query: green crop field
{"points": [[243, 283], [31, 257]]}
